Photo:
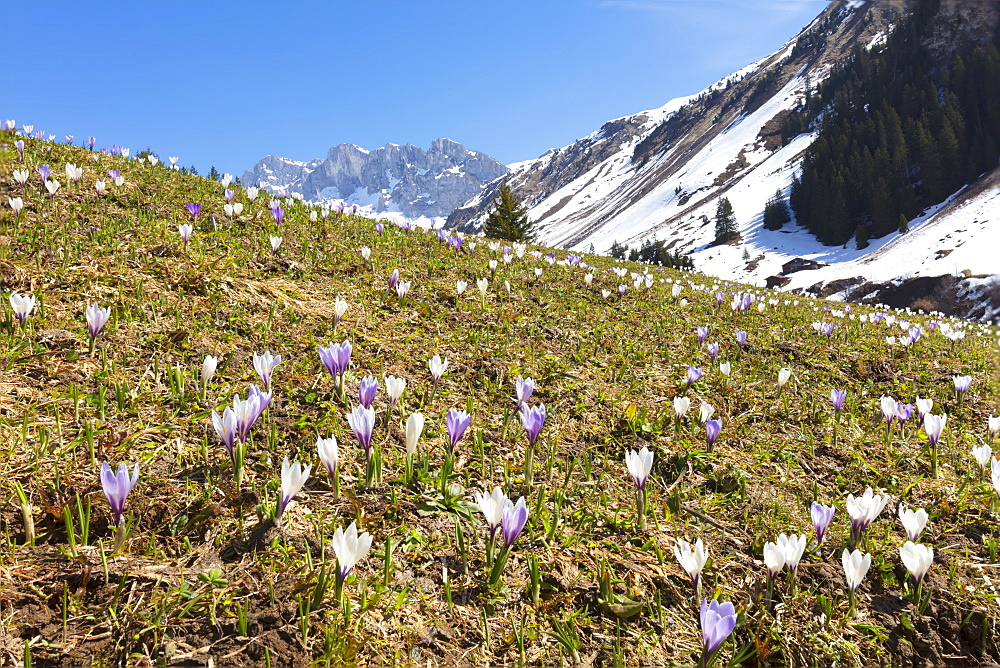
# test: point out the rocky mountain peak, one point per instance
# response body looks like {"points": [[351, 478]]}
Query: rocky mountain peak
{"points": [[399, 178]]}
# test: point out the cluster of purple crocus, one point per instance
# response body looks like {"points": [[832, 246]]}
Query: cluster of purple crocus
{"points": [[336, 357], [234, 425]]}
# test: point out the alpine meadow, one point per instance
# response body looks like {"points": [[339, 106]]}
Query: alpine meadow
{"points": [[410, 406]]}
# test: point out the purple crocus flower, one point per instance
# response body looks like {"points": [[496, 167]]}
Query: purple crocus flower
{"points": [[263, 398], [903, 412], [741, 339], [246, 412], [713, 350], [533, 419], [362, 421], [45, 172], [336, 357], [264, 365], [515, 515], [96, 318], [380, 228], [229, 195], [717, 621], [193, 209], [354, 210], [827, 329], [693, 374], [69, 139], [19, 145], [90, 142], [821, 518], [114, 173], [712, 430], [367, 391], [457, 422], [393, 279], [279, 214], [837, 398], [914, 333], [523, 387], [702, 334], [227, 429], [117, 487], [116, 150], [621, 290]]}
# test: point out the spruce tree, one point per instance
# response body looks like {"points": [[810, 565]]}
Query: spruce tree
{"points": [[725, 222], [509, 218], [776, 212]]}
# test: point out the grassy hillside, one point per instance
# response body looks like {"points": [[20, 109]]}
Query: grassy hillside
{"points": [[205, 570]]}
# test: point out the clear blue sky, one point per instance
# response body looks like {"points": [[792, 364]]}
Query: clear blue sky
{"points": [[224, 83]]}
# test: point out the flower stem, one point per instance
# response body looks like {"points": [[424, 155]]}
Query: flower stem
{"points": [[529, 465]]}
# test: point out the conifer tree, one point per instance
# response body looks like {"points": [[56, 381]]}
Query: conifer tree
{"points": [[776, 212], [725, 222], [509, 218]]}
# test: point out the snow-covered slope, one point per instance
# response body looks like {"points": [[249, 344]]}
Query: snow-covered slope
{"points": [[659, 175], [394, 179]]}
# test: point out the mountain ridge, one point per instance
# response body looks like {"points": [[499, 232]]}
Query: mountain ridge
{"points": [[400, 178]]}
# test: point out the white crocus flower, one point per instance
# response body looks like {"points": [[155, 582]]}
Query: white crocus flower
{"points": [[328, 452], [414, 427], [394, 388], [913, 521], [681, 406], [924, 406], [982, 454], [339, 309], [492, 505], [691, 558], [208, 368], [437, 367], [350, 548], [856, 565], [293, 477], [792, 547], [21, 305], [774, 559], [639, 464], [917, 559]]}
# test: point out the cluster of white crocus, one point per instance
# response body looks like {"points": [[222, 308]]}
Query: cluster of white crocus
{"points": [[785, 552], [73, 173]]}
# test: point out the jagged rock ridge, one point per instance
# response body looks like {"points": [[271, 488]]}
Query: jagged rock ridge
{"points": [[396, 177]]}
